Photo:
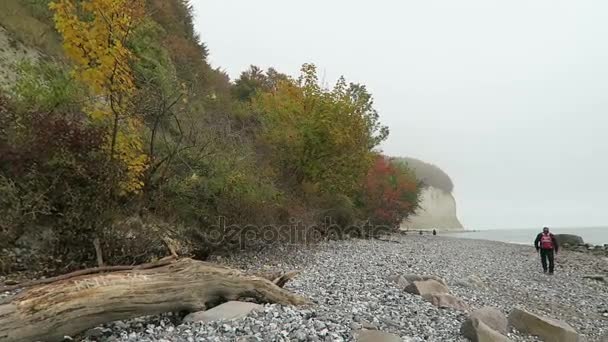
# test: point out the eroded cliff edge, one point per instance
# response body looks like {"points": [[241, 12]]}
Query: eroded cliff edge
{"points": [[437, 206]]}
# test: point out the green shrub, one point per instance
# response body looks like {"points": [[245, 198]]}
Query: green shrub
{"points": [[339, 212], [20, 204], [45, 86], [39, 9], [55, 164]]}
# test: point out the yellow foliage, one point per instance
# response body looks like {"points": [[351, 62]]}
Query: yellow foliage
{"points": [[129, 150], [94, 34]]}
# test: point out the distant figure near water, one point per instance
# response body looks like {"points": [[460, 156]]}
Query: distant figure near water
{"points": [[546, 244], [434, 232]]}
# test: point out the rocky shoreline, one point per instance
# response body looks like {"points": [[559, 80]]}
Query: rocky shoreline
{"points": [[356, 288], [576, 243]]}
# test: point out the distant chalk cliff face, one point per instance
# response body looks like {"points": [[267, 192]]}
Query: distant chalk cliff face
{"points": [[437, 210]]}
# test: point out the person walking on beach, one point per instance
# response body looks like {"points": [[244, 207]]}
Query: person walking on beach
{"points": [[546, 245], [434, 232]]}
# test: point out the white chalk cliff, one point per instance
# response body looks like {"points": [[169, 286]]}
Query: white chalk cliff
{"points": [[437, 210]]}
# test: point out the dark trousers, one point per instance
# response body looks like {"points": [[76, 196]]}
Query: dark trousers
{"points": [[544, 255]]}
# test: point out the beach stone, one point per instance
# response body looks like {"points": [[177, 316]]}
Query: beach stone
{"points": [[376, 336], [472, 281], [367, 325], [597, 277], [570, 239], [481, 332], [247, 339], [490, 316], [426, 287], [400, 280], [445, 300], [416, 277], [227, 311], [546, 328], [95, 332]]}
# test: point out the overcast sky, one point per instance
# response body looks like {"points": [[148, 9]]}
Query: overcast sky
{"points": [[510, 98]]}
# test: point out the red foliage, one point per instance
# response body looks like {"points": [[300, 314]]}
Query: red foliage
{"points": [[390, 192], [48, 137]]}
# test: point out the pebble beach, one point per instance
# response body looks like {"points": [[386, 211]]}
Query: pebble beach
{"points": [[350, 284]]}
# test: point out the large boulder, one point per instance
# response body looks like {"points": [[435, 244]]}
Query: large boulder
{"points": [[227, 311], [492, 317], [484, 324], [546, 328], [445, 300], [481, 332], [426, 287], [569, 239], [376, 336]]}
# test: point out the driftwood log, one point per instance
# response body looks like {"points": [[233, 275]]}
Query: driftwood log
{"points": [[72, 304]]}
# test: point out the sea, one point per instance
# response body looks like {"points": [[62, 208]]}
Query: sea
{"points": [[592, 235]]}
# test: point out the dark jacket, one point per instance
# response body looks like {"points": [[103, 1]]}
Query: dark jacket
{"points": [[537, 242]]}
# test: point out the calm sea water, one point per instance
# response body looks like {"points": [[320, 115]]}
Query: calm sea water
{"points": [[596, 235]]}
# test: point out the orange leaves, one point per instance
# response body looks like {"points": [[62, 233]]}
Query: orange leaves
{"points": [[390, 192]]}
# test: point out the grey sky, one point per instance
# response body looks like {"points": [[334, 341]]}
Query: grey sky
{"points": [[510, 98]]}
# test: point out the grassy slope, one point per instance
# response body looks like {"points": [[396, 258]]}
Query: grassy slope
{"points": [[26, 32], [29, 22]]}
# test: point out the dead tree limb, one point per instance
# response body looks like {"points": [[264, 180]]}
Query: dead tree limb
{"points": [[48, 312], [277, 277], [159, 263]]}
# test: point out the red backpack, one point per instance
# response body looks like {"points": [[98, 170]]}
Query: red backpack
{"points": [[546, 241]]}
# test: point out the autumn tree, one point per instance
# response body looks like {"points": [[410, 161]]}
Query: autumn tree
{"points": [[254, 81], [390, 192], [142, 129], [95, 34], [323, 138]]}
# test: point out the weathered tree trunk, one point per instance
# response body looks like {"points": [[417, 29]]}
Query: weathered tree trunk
{"points": [[70, 306]]}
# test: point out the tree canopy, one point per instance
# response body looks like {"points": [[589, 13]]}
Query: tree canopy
{"points": [[132, 138], [429, 174]]}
